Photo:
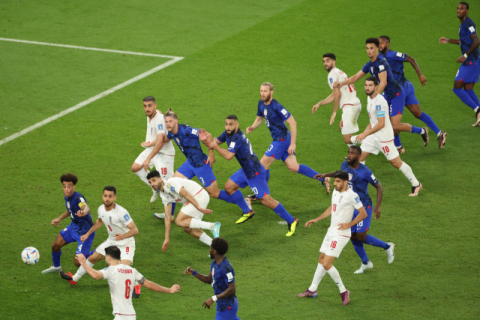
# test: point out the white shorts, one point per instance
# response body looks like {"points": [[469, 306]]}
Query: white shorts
{"points": [[372, 145], [163, 163], [127, 252], [333, 244], [124, 317], [189, 209], [350, 115]]}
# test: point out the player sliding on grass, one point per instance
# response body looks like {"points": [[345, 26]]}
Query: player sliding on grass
{"points": [[251, 173]]}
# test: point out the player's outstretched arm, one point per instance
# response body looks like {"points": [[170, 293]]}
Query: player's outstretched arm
{"points": [[84, 210], [324, 215], [168, 226], [415, 66], [94, 228], [446, 40], [184, 193], [199, 276], [95, 274], [59, 219], [156, 287], [377, 210], [325, 101], [359, 75], [131, 233], [258, 121], [324, 175]]}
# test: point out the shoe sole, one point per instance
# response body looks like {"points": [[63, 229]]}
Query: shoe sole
{"points": [[47, 272], [249, 203], [442, 144], [425, 143], [253, 215], [348, 299], [392, 245], [290, 233]]}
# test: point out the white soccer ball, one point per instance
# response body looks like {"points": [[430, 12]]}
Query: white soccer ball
{"points": [[30, 255]]}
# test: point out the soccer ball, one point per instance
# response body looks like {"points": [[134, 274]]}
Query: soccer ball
{"points": [[30, 255]]}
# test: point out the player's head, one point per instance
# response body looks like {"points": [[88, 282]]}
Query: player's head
{"points": [[112, 253], [462, 10], [219, 247], [341, 180], [155, 180], [109, 196], [231, 124], [266, 91], [329, 60], [149, 105], [370, 85], [171, 119], [372, 47], [68, 181], [353, 155], [384, 44]]}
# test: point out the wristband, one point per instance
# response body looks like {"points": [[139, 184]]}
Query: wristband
{"points": [[194, 273], [214, 298], [465, 55]]}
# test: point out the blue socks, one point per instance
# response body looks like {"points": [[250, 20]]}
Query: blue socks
{"points": [[225, 197], [267, 175], [360, 250], [466, 98], [416, 130], [397, 141], [56, 258], [371, 240], [429, 122], [237, 196], [474, 97], [307, 171], [173, 208], [282, 213]]}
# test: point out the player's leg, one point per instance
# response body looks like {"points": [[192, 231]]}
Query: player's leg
{"points": [[336, 245], [190, 217], [290, 161], [83, 247], [137, 166], [239, 180], [407, 171], [92, 259], [57, 250], [471, 93], [126, 254], [317, 277], [358, 246], [200, 235], [419, 114], [463, 88], [349, 123]]}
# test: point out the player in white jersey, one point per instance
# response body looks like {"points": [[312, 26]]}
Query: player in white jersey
{"points": [[157, 152], [121, 231], [121, 279], [194, 199], [344, 203], [378, 136], [344, 97]]}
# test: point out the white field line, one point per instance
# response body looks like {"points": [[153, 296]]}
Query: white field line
{"points": [[98, 96]]}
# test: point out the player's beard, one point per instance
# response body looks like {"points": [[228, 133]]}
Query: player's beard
{"points": [[267, 98], [351, 162]]}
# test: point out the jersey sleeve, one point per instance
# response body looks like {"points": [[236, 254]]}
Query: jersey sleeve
{"points": [[160, 125], [192, 132], [355, 201], [470, 27], [229, 274], [222, 137], [281, 111], [126, 218], [381, 66], [174, 186], [332, 77], [81, 201], [381, 109], [397, 56], [99, 213], [170, 135], [259, 110], [107, 272], [366, 68], [234, 145], [371, 178], [138, 275]]}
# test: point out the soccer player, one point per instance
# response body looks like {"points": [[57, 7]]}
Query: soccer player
{"points": [[252, 172], [359, 176], [121, 231], [222, 279], [157, 152], [345, 97], [121, 279], [378, 136], [283, 145], [79, 212], [394, 93], [344, 202], [194, 200], [395, 60], [469, 71]]}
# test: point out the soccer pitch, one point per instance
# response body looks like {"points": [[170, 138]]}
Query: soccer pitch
{"points": [[228, 50]]}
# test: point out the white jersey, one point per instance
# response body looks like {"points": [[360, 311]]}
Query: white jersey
{"points": [[157, 126], [121, 280], [349, 94], [172, 188], [116, 221], [343, 205], [378, 108]]}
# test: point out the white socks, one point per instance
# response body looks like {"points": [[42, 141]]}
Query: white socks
{"points": [[319, 273], [353, 140], [333, 272], [205, 239], [143, 176], [198, 224], [407, 171], [81, 272]]}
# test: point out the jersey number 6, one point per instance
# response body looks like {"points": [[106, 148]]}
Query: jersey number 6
{"points": [[128, 282]]}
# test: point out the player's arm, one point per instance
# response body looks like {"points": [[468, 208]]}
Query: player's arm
{"points": [[94, 228], [362, 214], [95, 274], [184, 193], [131, 233], [199, 276], [326, 214], [59, 219], [324, 175], [325, 101], [227, 293], [168, 226], [382, 77], [84, 209], [258, 121], [377, 209], [156, 287], [337, 95], [293, 130], [473, 47], [156, 148], [371, 130], [446, 40], [360, 74], [415, 66]]}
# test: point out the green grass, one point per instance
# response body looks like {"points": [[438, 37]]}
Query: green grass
{"points": [[229, 50]]}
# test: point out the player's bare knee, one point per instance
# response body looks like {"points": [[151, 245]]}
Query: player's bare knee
{"points": [[76, 263], [293, 167], [347, 139]]}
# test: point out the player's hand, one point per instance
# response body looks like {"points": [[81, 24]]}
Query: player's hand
{"points": [[423, 80], [249, 129], [204, 211], [332, 118], [81, 258], [309, 223], [343, 226], [56, 222], [315, 107], [319, 176], [204, 136], [361, 137], [165, 245], [210, 144], [208, 303], [83, 238], [174, 288], [461, 59], [119, 237], [443, 40], [291, 149], [377, 212], [145, 164], [211, 160], [145, 144], [81, 213], [189, 271], [337, 84]]}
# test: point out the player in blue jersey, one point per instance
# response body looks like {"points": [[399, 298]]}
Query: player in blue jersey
{"points": [[396, 60], [79, 212], [251, 173], [359, 176], [391, 89], [222, 279], [284, 141], [469, 71]]}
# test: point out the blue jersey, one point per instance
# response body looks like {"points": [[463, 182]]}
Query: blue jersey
{"points": [[239, 144], [467, 29], [275, 115], [381, 65], [358, 180], [80, 225], [395, 60], [222, 275], [187, 140]]}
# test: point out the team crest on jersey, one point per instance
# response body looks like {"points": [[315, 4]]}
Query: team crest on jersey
{"points": [[160, 126], [330, 79], [371, 70], [340, 199], [265, 112], [110, 218], [68, 205], [178, 140], [350, 176]]}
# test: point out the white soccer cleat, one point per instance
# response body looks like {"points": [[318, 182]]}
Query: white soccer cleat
{"points": [[249, 203], [52, 269], [155, 196], [160, 216], [364, 267], [390, 253]]}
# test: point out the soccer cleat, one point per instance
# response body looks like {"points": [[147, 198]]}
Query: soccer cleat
{"points": [[425, 136], [216, 229], [136, 291], [155, 196], [245, 217], [326, 183], [249, 203], [416, 190], [52, 269], [345, 297], [364, 267], [68, 276], [477, 123], [308, 294], [401, 150], [292, 227], [389, 252], [442, 138], [161, 216], [252, 197]]}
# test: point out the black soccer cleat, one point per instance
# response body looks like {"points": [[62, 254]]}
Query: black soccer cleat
{"points": [[425, 136], [67, 276], [252, 197]]}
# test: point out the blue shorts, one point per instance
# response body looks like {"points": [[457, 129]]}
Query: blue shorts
{"points": [[363, 225], [229, 314], [278, 149], [204, 173], [70, 235], [258, 184], [468, 74], [397, 104], [410, 94]]}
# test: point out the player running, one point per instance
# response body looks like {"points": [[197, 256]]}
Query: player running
{"points": [[469, 71], [283, 145], [252, 172], [396, 60], [359, 176], [345, 97], [79, 212], [394, 93], [222, 279], [194, 200], [157, 152], [344, 202], [121, 279]]}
